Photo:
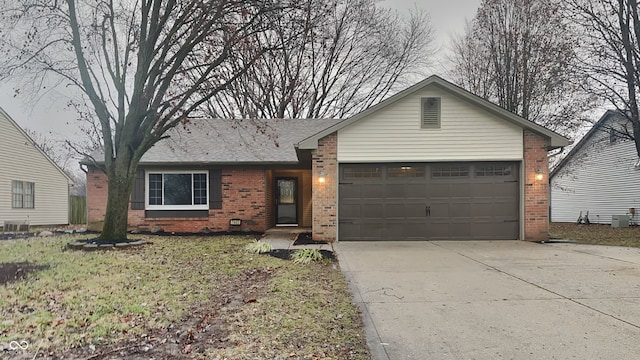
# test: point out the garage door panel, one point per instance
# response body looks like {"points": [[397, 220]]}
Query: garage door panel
{"points": [[404, 230], [505, 210], [439, 210], [415, 191], [495, 231], [481, 190], [443, 201], [372, 211], [350, 211], [460, 211], [349, 231], [371, 230], [394, 211], [372, 191], [415, 231], [460, 190], [361, 231], [415, 210], [394, 191], [439, 190], [446, 231]]}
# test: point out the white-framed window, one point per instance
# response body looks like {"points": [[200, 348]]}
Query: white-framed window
{"points": [[177, 190], [23, 194], [430, 114]]}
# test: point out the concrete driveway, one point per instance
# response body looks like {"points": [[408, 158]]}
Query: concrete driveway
{"points": [[496, 299]]}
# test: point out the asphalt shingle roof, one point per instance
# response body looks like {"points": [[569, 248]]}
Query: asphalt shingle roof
{"points": [[227, 141]]}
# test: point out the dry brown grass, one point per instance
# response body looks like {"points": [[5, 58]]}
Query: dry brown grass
{"points": [[177, 298], [597, 234]]}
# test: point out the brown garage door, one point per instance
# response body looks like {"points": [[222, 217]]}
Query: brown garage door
{"points": [[429, 201]]}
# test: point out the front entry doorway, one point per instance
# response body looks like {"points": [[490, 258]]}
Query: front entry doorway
{"points": [[286, 201]]}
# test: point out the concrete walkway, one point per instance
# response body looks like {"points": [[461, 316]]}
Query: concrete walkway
{"points": [[496, 299]]}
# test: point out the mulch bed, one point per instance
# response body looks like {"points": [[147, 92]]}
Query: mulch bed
{"points": [[100, 244], [10, 272], [306, 239], [285, 254]]}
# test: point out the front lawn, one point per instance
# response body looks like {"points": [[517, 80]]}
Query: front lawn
{"points": [[598, 234], [179, 297]]}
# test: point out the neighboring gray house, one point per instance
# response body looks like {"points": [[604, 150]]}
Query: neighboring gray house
{"points": [[599, 175], [33, 188]]}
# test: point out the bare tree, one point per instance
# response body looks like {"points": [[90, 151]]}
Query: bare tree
{"points": [[340, 58], [134, 61], [520, 55], [610, 57], [56, 150], [64, 155]]}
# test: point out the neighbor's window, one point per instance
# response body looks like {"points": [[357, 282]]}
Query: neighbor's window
{"points": [[430, 113], [177, 190], [22, 194]]}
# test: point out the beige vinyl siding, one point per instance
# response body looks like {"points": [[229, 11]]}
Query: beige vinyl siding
{"points": [[20, 160], [600, 178], [394, 133]]}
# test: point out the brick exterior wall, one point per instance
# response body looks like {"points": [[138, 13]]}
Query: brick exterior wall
{"points": [[96, 198], [243, 197], [325, 200], [536, 192]]}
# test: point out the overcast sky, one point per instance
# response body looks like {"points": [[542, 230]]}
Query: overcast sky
{"points": [[50, 115]]}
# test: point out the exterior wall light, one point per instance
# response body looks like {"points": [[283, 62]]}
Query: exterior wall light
{"points": [[321, 179], [539, 175]]}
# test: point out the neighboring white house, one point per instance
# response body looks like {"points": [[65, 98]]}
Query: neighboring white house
{"points": [[33, 188], [600, 175]]}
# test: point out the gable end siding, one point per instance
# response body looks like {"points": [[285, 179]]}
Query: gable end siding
{"points": [[23, 162], [601, 178], [394, 133]]}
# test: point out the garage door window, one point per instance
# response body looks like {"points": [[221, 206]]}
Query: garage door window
{"points": [[359, 172], [497, 170], [406, 172], [449, 171]]}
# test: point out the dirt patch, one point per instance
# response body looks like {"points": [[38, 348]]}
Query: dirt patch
{"points": [[10, 272], [204, 326]]}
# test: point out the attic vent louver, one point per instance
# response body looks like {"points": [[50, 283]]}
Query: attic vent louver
{"points": [[430, 112]]}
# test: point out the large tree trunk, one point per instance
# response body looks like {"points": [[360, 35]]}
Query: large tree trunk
{"points": [[115, 220]]}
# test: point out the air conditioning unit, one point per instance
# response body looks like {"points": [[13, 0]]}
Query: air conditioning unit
{"points": [[620, 221]]}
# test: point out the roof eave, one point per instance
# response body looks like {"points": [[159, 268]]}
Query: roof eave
{"points": [[582, 141], [206, 163]]}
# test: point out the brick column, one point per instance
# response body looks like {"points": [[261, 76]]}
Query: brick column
{"points": [[536, 192], [324, 197], [97, 188]]}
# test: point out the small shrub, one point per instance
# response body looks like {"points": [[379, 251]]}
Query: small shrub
{"points": [[258, 247], [306, 256]]}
